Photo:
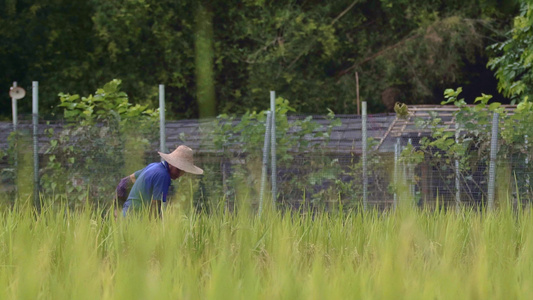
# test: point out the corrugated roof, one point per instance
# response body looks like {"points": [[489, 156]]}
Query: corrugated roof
{"points": [[405, 128], [346, 138], [198, 134]]}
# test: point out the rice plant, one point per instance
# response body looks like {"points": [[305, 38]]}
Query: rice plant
{"points": [[402, 254]]}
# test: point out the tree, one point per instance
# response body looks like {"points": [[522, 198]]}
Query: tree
{"points": [[514, 56], [308, 51], [49, 41]]}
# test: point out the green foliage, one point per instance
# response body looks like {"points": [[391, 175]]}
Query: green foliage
{"points": [[471, 148], [90, 153], [307, 51], [8, 176], [401, 110], [244, 138], [348, 179], [513, 57], [108, 105], [518, 125], [48, 41], [148, 42], [410, 155]]}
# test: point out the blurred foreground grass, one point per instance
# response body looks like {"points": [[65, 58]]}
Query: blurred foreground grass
{"points": [[406, 254]]}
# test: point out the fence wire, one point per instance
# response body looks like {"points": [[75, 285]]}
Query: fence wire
{"points": [[319, 164]]}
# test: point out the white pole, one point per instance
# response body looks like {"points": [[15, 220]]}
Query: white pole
{"points": [[411, 175], [525, 142], [265, 160], [273, 146], [365, 176], [14, 109], [162, 137], [457, 173], [35, 121], [527, 163], [15, 153], [396, 171], [492, 166]]}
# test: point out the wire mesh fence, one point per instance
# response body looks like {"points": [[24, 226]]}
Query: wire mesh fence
{"points": [[319, 163]]}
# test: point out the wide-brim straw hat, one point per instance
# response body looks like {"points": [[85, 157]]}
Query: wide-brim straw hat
{"points": [[182, 158]]}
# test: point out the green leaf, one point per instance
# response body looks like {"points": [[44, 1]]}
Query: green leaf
{"points": [[70, 114], [494, 106]]}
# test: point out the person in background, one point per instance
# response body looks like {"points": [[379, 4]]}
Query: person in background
{"points": [[151, 184]]}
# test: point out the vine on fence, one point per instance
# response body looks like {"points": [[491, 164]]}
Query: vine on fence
{"points": [[472, 148], [102, 132], [8, 176], [349, 182], [242, 139]]}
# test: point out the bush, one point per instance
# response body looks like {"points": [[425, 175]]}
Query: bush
{"points": [[102, 131]]}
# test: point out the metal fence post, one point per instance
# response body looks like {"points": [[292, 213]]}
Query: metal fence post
{"points": [[265, 160], [364, 137], [14, 109], [457, 173], [411, 175], [396, 170], [273, 146], [526, 164], [526, 148], [162, 124], [492, 166], [35, 121], [162, 134], [15, 144]]}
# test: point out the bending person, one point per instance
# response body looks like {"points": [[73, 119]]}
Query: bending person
{"points": [[151, 185]]}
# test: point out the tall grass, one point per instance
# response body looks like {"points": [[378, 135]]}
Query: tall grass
{"points": [[408, 253]]}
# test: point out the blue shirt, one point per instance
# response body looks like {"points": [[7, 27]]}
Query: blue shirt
{"points": [[152, 184]]}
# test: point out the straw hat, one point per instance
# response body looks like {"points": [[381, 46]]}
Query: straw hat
{"points": [[182, 158]]}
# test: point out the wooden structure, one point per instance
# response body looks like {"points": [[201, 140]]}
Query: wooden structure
{"points": [[403, 131], [406, 128]]}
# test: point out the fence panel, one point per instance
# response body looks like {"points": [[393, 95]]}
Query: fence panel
{"points": [[319, 163]]}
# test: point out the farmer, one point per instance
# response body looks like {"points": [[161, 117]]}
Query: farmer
{"points": [[150, 185]]}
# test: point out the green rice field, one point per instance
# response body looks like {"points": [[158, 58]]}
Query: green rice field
{"points": [[402, 254]]}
